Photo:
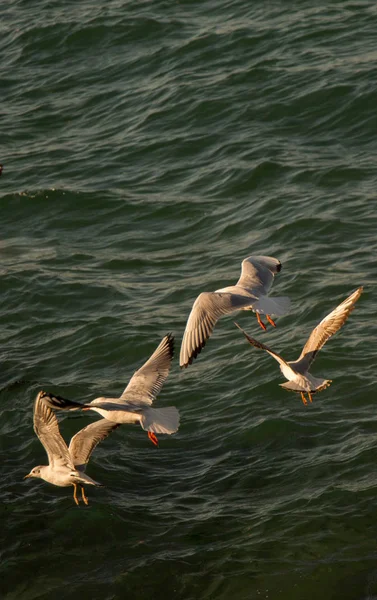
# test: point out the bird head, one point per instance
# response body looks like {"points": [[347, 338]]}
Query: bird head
{"points": [[36, 472]]}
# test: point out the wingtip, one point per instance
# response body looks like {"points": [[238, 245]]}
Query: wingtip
{"points": [[353, 298], [170, 342], [57, 402], [242, 330], [358, 292], [251, 340], [194, 354]]}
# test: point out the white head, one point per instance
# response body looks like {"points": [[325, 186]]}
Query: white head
{"points": [[36, 472]]}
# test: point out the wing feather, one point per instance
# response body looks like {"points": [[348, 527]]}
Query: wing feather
{"points": [[47, 429], [206, 310], [257, 274], [328, 327], [83, 443], [147, 382], [257, 344]]}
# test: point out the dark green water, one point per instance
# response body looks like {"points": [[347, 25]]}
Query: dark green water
{"points": [[147, 149]]}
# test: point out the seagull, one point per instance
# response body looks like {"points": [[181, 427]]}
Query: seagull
{"points": [[297, 372], [249, 293], [134, 405], [66, 466]]}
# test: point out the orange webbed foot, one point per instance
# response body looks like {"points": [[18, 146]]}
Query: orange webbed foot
{"points": [[261, 322], [303, 398], [153, 438], [270, 321], [75, 493], [85, 499]]}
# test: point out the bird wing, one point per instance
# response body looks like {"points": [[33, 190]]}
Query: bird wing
{"points": [[206, 310], [59, 403], [83, 443], [285, 367], [257, 274], [253, 342], [146, 383], [326, 328], [47, 429]]}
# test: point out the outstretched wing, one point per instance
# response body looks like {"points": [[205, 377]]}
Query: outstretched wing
{"points": [[285, 367], [258, 273], [47, 429], [326, 328], [147, 382], [59, 403], [207, 309], [257, 344], [83, 443]]}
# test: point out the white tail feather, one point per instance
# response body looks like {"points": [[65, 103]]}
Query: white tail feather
{"points": [[317, 385], [160, 420], [293, 387], [272, 306], [84, 478]]}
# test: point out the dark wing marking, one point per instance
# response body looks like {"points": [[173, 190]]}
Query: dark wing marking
{"points": [[206, 310]]}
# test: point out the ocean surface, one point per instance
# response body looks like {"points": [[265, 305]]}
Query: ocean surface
{"points": [[147, 149]]}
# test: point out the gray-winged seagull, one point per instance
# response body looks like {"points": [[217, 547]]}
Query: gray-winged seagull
{"points": [[297, 372], [249, 293], [66, 466], [134, 405]]}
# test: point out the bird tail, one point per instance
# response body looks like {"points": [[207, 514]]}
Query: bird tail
{"points": [[160, 420], [320, 385], [81, 477], [272, 306], [291, 386]]}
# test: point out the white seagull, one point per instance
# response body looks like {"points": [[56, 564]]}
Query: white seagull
{"points": [[134, 405], [249, 293], [66, 466], [297, 372]]}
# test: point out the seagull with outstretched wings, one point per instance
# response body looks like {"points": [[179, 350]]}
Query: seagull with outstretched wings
{"points": [[249, 293], [135, 404], [297, 372], [66, 465]]}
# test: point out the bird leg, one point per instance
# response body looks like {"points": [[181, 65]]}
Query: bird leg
{"points": [[270, 321], [261, 322], [75, 494], [153, 438], [310, 397], [83, 495], [303, 398]]}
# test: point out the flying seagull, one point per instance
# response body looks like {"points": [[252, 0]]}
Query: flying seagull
{"points": [[297, 372], [134, 405], [66, 466], [249, 293]]}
